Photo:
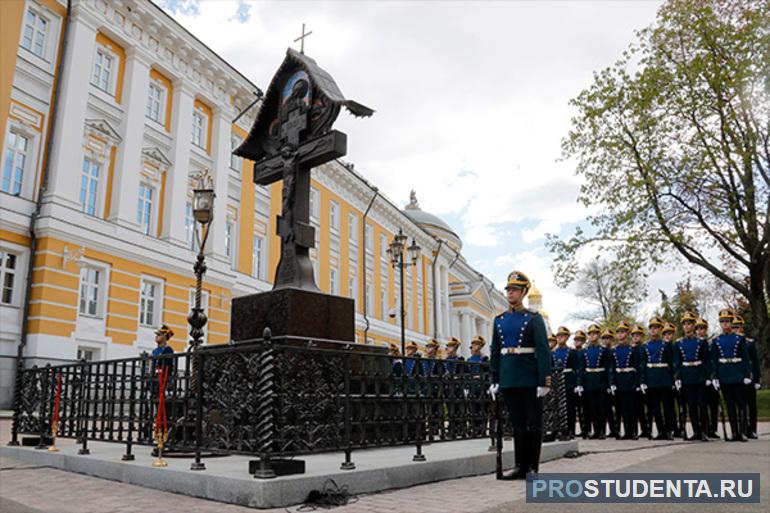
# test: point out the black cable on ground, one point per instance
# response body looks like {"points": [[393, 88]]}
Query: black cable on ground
{"points": [[330, 496]]}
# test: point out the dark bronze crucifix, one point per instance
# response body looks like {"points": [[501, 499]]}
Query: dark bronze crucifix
{"points": [[296, 157]]}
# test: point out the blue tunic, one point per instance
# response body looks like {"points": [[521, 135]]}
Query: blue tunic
{"points": [[520, 328], [692, 363], [730, 358]]}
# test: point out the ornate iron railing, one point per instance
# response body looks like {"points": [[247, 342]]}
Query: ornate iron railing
{"points": [[287, 396]]}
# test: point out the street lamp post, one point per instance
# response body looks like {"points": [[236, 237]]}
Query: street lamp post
{"points": [[396, 255], [203, 211]]}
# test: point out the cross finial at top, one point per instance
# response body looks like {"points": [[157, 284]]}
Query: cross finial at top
{"points": [[302, 39]]}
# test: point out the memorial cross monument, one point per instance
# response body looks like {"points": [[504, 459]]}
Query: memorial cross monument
{"points": [[291, 135]]}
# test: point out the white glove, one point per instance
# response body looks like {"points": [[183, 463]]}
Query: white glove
{"points": [[638, 389], [715, 384], [465, 393], [747, 381], [612, 389], [678, 384], [643, 387], [757, 386], [708, 382], [578, 390], [543, 391], [493, 389]]}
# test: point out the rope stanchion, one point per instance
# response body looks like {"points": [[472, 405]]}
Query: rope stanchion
{"points": [[55, 415], [161, 421]]}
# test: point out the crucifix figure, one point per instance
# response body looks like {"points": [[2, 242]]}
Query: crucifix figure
{"points": [[293, 134], [302, 39]]}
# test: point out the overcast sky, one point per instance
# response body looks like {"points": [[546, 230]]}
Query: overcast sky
{"points": [[471, 100]]}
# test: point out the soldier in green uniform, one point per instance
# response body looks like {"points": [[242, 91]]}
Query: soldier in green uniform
{"points": [[657, 380], [566, 359], [594, 380], [641, 408], [711, 410], [626, 380], [730, 360], [521, 373], [750, 422], [691, 369], [579, 338]]}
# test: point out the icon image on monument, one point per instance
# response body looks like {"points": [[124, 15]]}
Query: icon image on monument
{"points": [[292, 134]]}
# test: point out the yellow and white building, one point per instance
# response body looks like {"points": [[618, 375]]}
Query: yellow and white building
{"points": [[107, 111]]}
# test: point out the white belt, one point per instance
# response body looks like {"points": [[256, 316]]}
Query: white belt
{"points": [[657, 365], [517, 350], [730, 360], [595, 369], [566, 370], [625, 369], [692, 364]]}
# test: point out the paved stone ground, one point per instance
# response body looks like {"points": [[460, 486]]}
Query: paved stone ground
{"points": [[27, 489]]}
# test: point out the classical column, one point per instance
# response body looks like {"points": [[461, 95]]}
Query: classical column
{"points": [[67, 149], [465, 327], [220, 153], [128, 162], [177, 180]]}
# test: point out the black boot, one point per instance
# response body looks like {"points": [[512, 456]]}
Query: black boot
{"points": [[519, 457], [534, 444]]}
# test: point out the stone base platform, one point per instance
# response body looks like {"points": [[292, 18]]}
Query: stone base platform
{"points": [[226, 479]]}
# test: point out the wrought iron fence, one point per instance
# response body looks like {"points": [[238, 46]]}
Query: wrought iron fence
{"points": [[273, 398]]}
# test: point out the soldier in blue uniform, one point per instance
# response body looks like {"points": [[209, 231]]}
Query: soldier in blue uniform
{"points": [[551, 342], [396, 364], [594, 379], [411, 369], [477, 344], [750, 422], [626, 379], [579, 339], [711, 409], [730, 360], [566, 359], [521, 373], [680, 408], [640, 404], [691, 369], [657, 380], [451, 357], [162, 337]]}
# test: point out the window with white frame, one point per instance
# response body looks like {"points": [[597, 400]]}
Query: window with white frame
{"points": [[368, 297], [333, 281], [35, 33], [89, 186], [353, 229], [231, 230], [189, 226], [8, 264], [144, 208], [15, 162], [315, 206], [87, 353], [235, 161], [369, 241], [199, 128], [353, 287], [334, 216], [204, 308], [156, 95], [384, 248], [104, 70], [150, 302], [91, 288], [384, 301], [258, 258]]}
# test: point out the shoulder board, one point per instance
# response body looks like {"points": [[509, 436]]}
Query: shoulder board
{"points": [[532, 312], [680, 339], [749, 339]]}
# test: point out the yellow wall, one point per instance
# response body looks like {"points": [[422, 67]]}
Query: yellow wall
{"points": [[11, 14], [246, 236]]}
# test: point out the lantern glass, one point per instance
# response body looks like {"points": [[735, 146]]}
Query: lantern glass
{"points": [[203, 205], [414, 251]]}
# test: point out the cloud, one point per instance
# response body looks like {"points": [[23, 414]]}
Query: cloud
{"points": [[242, 14]]}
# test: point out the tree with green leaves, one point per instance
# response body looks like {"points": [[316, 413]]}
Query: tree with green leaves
{"points": [[673, 145]]}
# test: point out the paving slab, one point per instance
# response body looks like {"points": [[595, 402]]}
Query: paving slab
{"points": [[226, 479]]}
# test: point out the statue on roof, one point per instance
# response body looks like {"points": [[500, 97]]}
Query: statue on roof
{"points": [[413, 205]]}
